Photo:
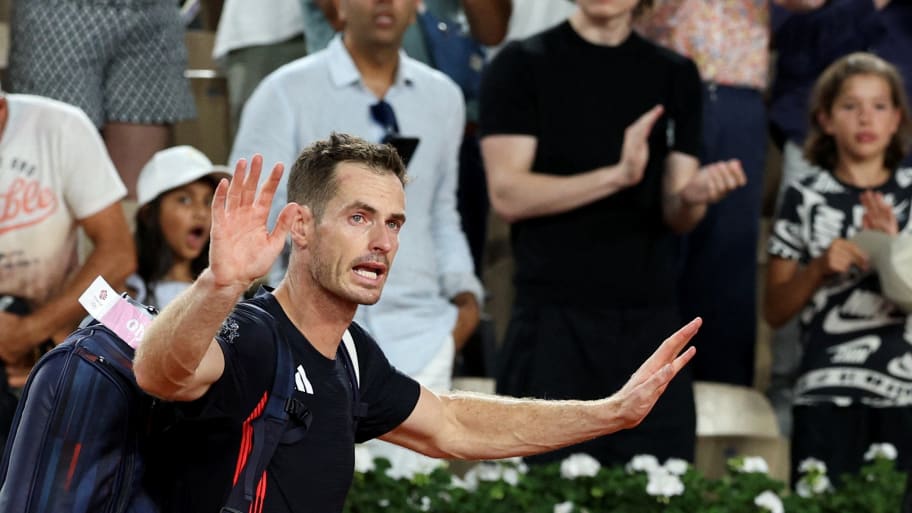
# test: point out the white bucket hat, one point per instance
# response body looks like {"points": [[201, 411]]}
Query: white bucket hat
{"points": [[172, 168], [891, 257]]}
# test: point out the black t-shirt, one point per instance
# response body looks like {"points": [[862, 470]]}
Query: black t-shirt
{"points": [[313, 475], [576, 99]]}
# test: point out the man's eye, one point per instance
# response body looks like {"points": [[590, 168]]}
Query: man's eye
{"points": [[357, 218], [394, 225]]}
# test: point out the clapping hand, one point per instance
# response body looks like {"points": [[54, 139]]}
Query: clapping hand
{"points": [[714, 182], [878, 214]]}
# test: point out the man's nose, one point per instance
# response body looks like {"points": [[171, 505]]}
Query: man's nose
{"points": [[382, 239]]}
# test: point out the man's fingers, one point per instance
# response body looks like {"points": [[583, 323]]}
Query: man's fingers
{"points": [[218, 201], [252, 180], [267, 193], [683, 359], [237, 183], [675, 343], [283, 223]]}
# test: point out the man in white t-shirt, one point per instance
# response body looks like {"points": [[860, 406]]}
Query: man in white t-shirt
{"points": [[55, 176]]}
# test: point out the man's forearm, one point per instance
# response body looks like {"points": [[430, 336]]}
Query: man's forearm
{"points": [[538, 194], [177, 340], [494, 427], [681, 216]]}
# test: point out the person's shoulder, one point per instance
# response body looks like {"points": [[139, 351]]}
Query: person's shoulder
{"points": [[361, 337], [46, 109], [659, 53], [297, 74], [427, 76], [251, 319]]}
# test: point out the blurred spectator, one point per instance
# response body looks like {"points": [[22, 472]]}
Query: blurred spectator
{"points": [[121, 62], [363, 85], [729, 42], [172, 224], [532, 16], [806, 44], [55, 176], [596, 190], [856, 369], [447, 35], [252, 42]]}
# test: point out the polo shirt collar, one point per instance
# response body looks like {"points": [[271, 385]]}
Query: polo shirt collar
{"points": [[343, 71]]}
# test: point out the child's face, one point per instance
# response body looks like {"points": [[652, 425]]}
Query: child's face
{"points": [[863, 118], [185, 219]]}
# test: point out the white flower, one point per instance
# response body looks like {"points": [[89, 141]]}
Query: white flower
{"points": [[364, 460], [886, 450], [383, 503], [643, 463], [812, 465], [578, 465], [808, 486], [420, 466], [755, 464], [457, 482], [564, 507], [516, 463], [484, 471], [663, 484], [769, 501], [676, 466], [511, 476], [425, 503]]}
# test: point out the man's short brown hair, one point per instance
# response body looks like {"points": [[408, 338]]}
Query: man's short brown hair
{"points": [[313, 177]]}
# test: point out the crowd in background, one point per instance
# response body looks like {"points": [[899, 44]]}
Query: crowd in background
{"points": [[627, 156]]}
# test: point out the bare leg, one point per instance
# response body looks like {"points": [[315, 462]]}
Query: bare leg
{"points": [[131, 146]]}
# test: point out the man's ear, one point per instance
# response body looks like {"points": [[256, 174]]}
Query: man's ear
{"points": [[302, 225]]}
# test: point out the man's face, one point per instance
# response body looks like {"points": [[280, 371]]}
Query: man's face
{"points": [[357, 236], [377, 22], [603, 10]]}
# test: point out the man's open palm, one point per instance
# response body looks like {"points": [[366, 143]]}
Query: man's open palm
{"points": [[241, 248]]}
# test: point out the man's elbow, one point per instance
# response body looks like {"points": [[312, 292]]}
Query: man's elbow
{"points": [[149, 380], [505, 208]]}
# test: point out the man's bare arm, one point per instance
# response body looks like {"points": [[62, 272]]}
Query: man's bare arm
{"points": [[688, 189], [517, 193], [472, 426], [179, 359]]}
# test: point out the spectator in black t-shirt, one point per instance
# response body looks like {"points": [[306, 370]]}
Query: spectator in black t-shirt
{"points": [[347, 209], [596, 191]]}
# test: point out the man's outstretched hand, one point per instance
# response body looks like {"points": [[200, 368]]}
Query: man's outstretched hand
{"points": [[638, 396], [241, 247]]}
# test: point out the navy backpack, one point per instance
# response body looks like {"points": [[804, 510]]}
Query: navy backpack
{"points": [[83, 428]]}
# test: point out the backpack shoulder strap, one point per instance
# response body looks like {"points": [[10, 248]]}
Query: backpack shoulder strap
{"points": [[268, 427]]}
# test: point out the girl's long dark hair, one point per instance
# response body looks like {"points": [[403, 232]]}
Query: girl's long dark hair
{"points": [[155, 257]]}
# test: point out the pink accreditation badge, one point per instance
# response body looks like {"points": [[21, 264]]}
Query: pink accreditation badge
{"points": [[126, 321]]}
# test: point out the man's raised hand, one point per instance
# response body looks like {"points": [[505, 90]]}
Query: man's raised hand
{"points": [[241, 248], [639, 395]]}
